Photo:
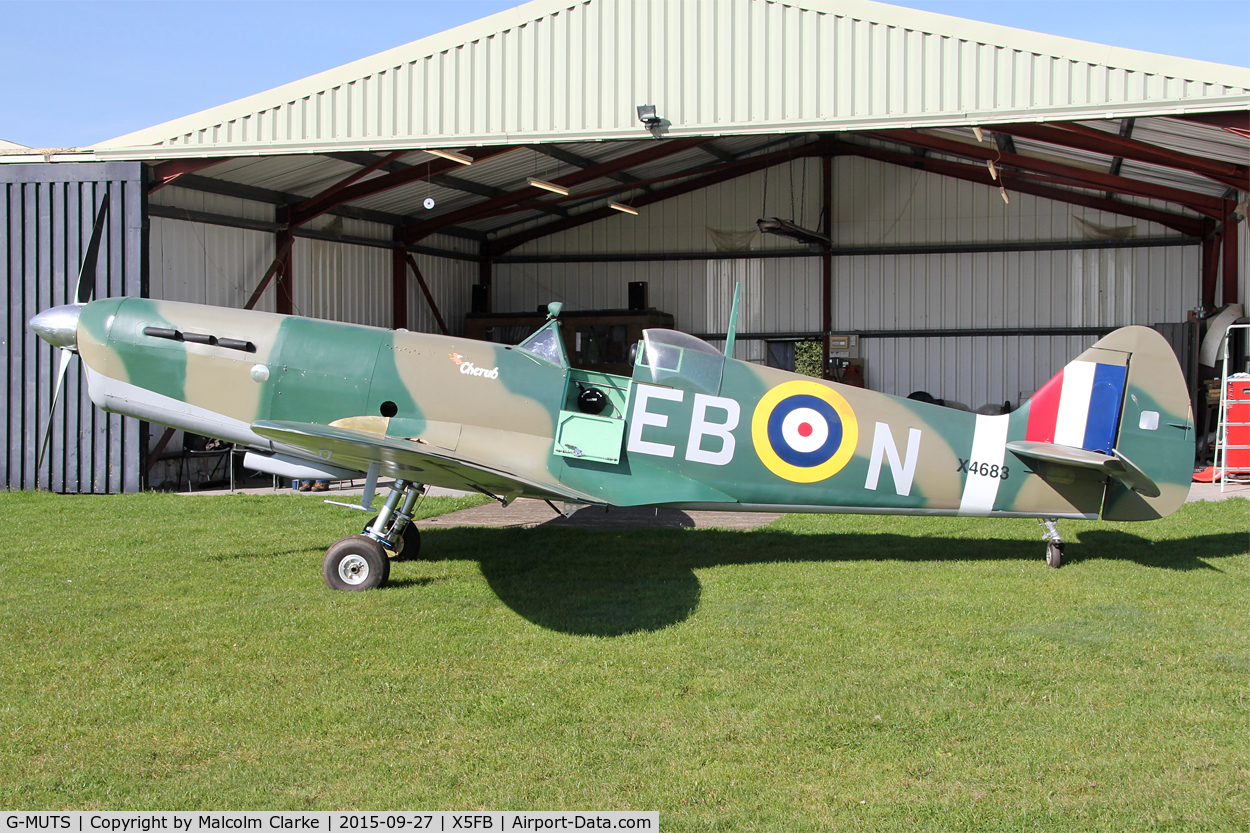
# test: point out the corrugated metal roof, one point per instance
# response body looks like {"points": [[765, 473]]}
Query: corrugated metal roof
{"points": [[562, 71]]}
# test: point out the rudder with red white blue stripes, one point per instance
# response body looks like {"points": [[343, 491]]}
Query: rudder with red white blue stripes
{"points": [[1079, 407]]}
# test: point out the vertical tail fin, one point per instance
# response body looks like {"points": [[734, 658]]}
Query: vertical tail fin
{"points": [[1126, 398]]}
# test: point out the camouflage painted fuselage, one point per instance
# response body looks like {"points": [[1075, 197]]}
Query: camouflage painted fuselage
{"points": [[754, 438]]}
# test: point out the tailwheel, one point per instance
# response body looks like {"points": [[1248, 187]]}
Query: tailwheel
{"points": [[408, 545], [1054, 542], [356, 562]]}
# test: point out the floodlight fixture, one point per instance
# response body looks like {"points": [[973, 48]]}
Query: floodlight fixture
{"points": [[646, 115]]}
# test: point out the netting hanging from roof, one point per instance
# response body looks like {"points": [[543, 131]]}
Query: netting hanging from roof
{"points": [[732, 241]]}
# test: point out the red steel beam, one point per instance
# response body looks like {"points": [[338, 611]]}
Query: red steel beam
{"points": [[1237, 121], [282, 245], [438, 316], [316, 206], [399, 289], [1191, 226], [284, 300], [487, 208], [1068, 174], [1098, 141], [1230, 257], [720, 173], [1210, 266], [166, 172]]}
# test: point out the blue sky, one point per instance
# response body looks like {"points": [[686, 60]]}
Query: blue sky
{"points": [[77, 73]]}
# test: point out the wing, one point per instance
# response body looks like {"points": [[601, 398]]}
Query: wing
{"points": [[357, 449]]}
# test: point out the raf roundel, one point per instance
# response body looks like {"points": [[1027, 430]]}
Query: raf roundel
{"points": [[804, 432]]}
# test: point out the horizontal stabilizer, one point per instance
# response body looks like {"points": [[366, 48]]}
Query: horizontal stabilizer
{"points": [[355, 449], [1116, 466]]}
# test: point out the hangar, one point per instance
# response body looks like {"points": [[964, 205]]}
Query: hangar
{"points": [[974, 204]]}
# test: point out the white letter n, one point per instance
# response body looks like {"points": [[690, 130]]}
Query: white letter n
{"points": [[903, 470]]}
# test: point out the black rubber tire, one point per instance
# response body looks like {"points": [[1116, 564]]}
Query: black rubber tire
{"points": [[1054, 555], [367, 566], [409, 543]]}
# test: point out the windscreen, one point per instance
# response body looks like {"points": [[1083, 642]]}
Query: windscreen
{"points": [[546, 345]]}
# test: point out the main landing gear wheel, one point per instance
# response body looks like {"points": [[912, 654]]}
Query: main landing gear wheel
{"points": [[356, 562], [408, 546], [1054, 554]]}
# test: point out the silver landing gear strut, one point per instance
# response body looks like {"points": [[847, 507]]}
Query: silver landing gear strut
{"points": [[1054, 542], [392, 528], [363, 562]]}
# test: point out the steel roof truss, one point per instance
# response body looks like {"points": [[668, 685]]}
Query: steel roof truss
{"points": [[1081, 137], [655, 150], [1064, 174], [711, 176], [1191, 226]]}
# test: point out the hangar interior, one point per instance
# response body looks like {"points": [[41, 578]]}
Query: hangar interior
{"points": [[991, 201]]}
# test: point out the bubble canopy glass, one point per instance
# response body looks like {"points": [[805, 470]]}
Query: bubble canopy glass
{"points": [[679, 360]]}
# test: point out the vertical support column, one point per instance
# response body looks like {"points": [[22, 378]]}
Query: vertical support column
{"points": [[484, 279], [826, 265], [1210, 263], [1230, 256], [399, 289], [284, 242]]}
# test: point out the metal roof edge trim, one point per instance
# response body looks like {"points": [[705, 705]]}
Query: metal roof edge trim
{"points": [[1027, 40], [982, 118], [466, 33], [957, 28]]}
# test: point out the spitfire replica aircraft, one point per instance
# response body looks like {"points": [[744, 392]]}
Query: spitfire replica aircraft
{"points": [[1110, 436]]}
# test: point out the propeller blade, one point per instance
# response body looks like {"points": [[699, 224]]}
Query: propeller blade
{"points": [[60, 382], [86, 275]]}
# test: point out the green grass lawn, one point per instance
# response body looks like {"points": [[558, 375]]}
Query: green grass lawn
{"points": [[824, 672]]}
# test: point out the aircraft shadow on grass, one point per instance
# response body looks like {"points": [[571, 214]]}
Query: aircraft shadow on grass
{"points": [[609, 582]]}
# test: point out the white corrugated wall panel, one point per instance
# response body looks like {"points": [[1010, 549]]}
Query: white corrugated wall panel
{"points": [[564, 70], [207, 264], [451, 284], [970, 371], [341, 282]]}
